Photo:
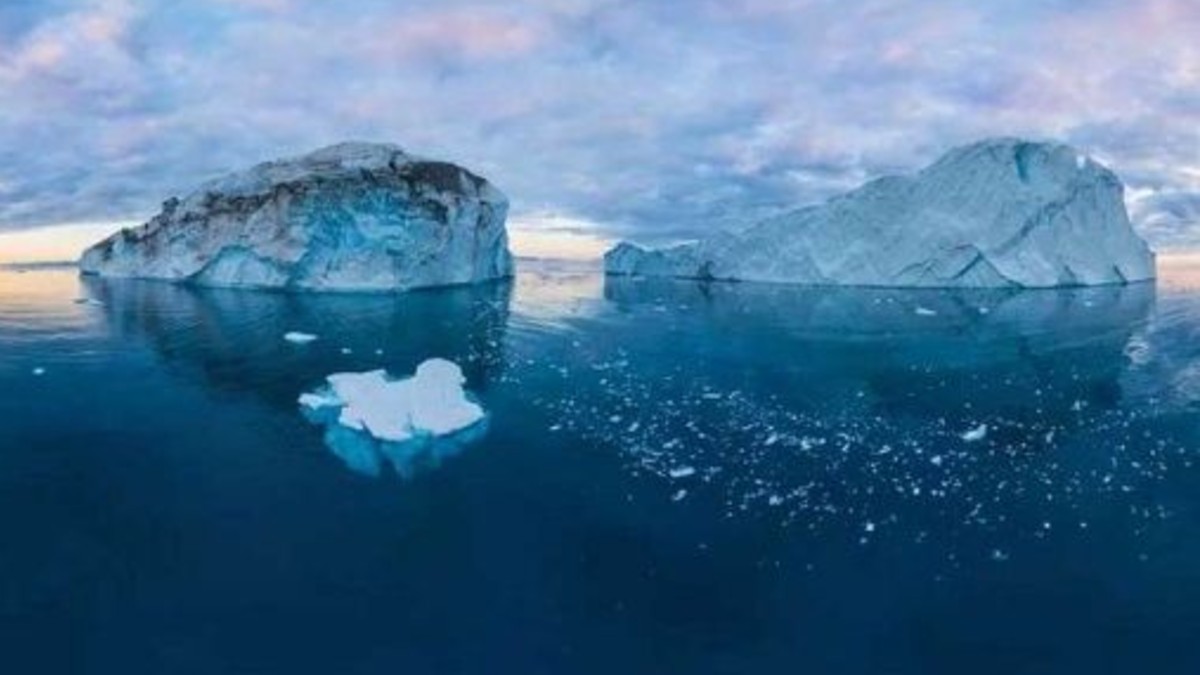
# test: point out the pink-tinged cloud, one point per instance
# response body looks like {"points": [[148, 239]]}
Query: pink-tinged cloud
{"points": [[472, 34], [651, 117]]}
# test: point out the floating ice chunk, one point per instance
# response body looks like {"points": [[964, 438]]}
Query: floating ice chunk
{"points": [[317, 400], [681, 472], [430, 403], [39, 371], [976, 434], [299, 338], [925, 311], [679, 495]]}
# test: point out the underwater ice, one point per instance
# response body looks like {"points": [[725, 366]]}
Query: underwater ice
{"points": [[430, 403]]}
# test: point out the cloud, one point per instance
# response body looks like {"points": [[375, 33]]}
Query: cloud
{"points": [[642, 118]]}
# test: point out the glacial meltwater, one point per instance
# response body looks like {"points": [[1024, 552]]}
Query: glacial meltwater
{"points": [[668, 477]]}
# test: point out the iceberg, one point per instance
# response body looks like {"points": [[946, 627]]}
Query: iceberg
{"points": [[350, 217], [997, 213], [430, 403], [410, 423]]}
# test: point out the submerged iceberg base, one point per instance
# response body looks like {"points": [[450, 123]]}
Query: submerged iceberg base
{"points": [[371, 416]]}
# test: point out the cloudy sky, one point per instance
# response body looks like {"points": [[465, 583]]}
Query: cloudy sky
{"points": [[648, 119]]}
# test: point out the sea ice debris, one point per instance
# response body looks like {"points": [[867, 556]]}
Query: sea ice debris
{"points": [[681, 472], [975, 434]]}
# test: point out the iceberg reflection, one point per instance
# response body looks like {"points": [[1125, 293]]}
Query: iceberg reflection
{"points": [[922, 351], [231, 342]]}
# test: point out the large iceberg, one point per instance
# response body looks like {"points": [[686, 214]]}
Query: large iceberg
{"points": [[350, 217], [997, 213]]}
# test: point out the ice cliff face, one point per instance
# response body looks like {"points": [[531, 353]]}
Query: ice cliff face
{"points": [[997, 213], [350, 217]]}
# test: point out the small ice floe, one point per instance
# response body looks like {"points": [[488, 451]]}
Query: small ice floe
{"points": [[39, 371], [347, 351], [299, 338], [681, 472], [925, 311], [679, 495], [976, 434], [430, 403]]}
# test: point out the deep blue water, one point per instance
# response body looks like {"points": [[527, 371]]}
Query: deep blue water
{"points": [[674, 478]]}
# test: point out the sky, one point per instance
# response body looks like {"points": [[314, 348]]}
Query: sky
{"points": [[654, 120]]}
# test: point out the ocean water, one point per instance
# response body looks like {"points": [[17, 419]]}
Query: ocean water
{"points": [[673, 477]]}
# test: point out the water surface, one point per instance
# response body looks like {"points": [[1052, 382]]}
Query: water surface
{"points": [[674, 477]]}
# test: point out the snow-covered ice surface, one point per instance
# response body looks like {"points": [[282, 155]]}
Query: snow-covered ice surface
{"points": [[997, 213], [415, 410], [432, 402]]}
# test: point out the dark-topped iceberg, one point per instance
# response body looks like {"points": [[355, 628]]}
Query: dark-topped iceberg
{"points": [[998, 213], [350, 217]]}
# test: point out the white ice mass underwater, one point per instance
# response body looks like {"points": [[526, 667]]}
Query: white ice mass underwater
{"points": [[410, 422]]}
